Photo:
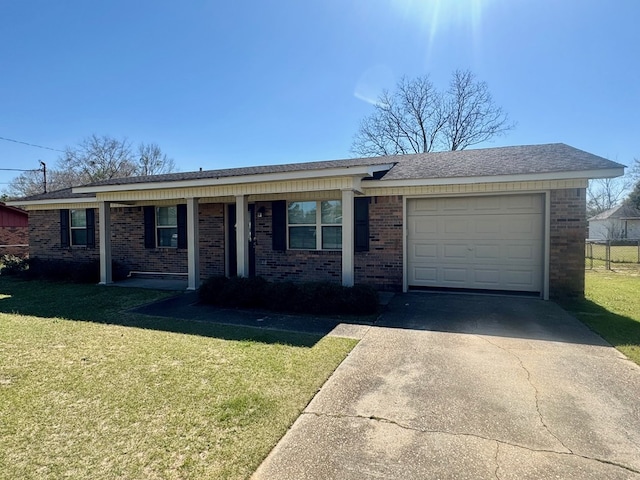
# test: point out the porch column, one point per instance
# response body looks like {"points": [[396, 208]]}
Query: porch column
{"points": [[242, 235], [193, 244], [348, 238], [104, 221]]}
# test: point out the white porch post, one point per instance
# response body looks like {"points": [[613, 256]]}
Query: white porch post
{"points": [[193, 244], [242, 235], [104, 220], [348, 238]]}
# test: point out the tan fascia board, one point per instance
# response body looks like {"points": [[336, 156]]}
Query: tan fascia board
{"points": [[527, 177], [56, 201], [362, 171]]}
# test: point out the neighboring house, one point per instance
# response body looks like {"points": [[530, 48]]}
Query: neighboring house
{"points": [[617, 223], [14, 231], [503, 219]]}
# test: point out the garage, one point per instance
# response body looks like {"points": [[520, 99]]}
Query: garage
{"points": [[476, 242]]}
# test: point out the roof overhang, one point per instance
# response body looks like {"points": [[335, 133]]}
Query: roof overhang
{"points": [[525, 177], [364, 171], [61, 201]]}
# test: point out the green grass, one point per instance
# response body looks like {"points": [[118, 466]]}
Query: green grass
{"points": [[90, 391], [612, 309]]}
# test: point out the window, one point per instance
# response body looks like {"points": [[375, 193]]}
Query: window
{"points": [[167, 226], [78, 225], [77, 228], [315, 225]]}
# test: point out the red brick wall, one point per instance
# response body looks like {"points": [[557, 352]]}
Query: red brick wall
{"points": [[292, 265], [211, 225], [127, 242], [568, 231], [381, 266], [44, 239], [11, 236]]}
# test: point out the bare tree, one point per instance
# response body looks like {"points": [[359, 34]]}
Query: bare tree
{"points": [[98, 158], [472, 117], [407, 121], [94, 159], [417, 118], [606, 193], [152, 161]]}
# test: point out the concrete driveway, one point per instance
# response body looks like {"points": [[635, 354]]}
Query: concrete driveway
{"points": [[462, 386]]}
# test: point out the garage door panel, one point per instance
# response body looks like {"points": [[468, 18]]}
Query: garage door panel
{"points": [[487, 278], [492, 242], [425, 251], [426, 274], [487, 252], [455, 252], [456, 276]]}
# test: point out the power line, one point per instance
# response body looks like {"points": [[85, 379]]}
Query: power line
{"points": [[31, 144], [20, 170]]}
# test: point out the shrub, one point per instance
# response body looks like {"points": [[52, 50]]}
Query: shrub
{"points": [[70, 271], [322, 298], [12, 265]]}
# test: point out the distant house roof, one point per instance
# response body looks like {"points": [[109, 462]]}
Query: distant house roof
{"points": [[542, 161], [621, 212]]}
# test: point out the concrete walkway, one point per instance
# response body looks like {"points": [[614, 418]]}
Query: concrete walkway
{"points": [[470, 387]]}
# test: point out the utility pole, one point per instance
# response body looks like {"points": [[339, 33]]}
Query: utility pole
{"points": [[44, 173]]}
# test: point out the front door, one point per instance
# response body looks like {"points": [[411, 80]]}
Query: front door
{"points": [[232, 256]]}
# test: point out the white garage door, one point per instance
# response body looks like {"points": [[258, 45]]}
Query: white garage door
{"points": [[489, 243]]}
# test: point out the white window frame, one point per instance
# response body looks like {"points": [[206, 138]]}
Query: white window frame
{"points": [[73, 228], [318, 225], [163, 227]]}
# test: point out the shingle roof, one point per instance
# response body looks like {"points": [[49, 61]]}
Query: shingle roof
{"points": [[548, 158], [62, 194], [525, 159], [623, 211], [244, 171]]}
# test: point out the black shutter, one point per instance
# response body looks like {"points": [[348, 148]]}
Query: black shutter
{"points": [[91, 228], [279, 225], [182, 226], [361, 223], [64, 228], [149, 227]]}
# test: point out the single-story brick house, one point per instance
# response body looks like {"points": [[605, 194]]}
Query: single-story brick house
{"points": [[14, 231], [503, 219], [618, 223]]}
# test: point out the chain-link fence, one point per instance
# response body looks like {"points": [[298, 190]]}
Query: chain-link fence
{"points": [[612, 254]]}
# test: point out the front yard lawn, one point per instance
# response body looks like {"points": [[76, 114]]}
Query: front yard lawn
{"points": [[90, 391], [612, 309]]}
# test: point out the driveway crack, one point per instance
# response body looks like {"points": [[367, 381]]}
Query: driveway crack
{"points": [[471, 435], [535, 391], [495, 472]]}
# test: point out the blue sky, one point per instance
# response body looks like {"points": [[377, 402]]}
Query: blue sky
{"points": [[247, 82]]}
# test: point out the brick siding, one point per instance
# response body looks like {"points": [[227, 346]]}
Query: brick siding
{"points": [[568, 231], [12, 236], [44, 239], [292, 265], [127, 242], [381, 266]]}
